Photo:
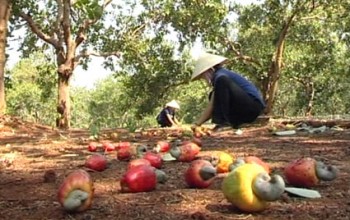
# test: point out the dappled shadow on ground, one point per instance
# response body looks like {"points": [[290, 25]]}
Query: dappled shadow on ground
{"points": [[26, 192]]}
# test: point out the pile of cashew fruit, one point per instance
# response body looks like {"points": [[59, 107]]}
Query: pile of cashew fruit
{"points": [[251, 188]]}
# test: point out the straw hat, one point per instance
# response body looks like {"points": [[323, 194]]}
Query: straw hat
{"points": [[205, 62], [173, 104]]}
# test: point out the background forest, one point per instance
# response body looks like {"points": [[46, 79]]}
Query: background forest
{"points": [[295, 51]]}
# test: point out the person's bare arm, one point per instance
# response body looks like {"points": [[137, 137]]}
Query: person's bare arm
{"points": [[206, 114], [176, 121], [169, 117]]}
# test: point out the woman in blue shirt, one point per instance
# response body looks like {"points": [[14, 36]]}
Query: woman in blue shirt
{"points": [[233, 101], [167, 118]]}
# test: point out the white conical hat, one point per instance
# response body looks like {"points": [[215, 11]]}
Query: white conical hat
{"points": [[173, 104], [205, 62]]}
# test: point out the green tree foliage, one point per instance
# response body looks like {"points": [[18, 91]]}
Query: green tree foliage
{"points": [[298, 42], [107, 105], [296, 51], [64, 26], [32, 92], [156, 40], [110, 106], [193, 98], [81, 97]]}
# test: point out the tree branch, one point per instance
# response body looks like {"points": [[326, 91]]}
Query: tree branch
{"points": [[85, 54], [313, 18], [35, 29], [67, 27], [59, 19], [240, 55], [87, 23], [105, 3]]}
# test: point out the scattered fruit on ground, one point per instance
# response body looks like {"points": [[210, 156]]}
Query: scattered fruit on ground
{"points": [[154, 158], [124, 154], [137, 162], [108, 147], [97, 162], [201, 131], [197, 141], [200, 174], [92, 147], [140, 178], [124, 144], [307, 172], [162, 146], [257, 160], [222, 161], [76, 191], [249, 159], [128, 152], [250, 188], [185, 152]]}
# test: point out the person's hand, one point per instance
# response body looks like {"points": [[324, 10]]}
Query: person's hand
{"points": [[195, 127], [175, 126], [178, 124]]}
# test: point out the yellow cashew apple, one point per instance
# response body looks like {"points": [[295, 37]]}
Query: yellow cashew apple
{"points": [[250, 188], [222, 161]]}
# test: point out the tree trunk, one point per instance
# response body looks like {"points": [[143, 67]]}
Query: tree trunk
{"points": [[310, 92], [271, 86], [63, 105], [5, 11], [271, 82]]}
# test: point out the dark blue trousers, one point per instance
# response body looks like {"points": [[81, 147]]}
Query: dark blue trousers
{"points": [[232, 105]]}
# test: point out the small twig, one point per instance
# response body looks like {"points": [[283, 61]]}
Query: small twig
{"points": [[71, 217]]}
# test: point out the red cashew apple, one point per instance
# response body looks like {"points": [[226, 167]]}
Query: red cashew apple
{"points": [[96, 162], [250, 159], [76, 191], [161, 175], [108, 147], [200, 174], [127, 152], [186, 152], [92, 147], [162, 146], [197, 141], [307, 172], [124, 144], [257, 160], [141, 178], [249, 187], [124, 154], [137, 162], [155, 159]]}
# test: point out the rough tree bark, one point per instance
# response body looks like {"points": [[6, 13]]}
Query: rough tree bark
{"points": [[5, 11], [270, 83]]}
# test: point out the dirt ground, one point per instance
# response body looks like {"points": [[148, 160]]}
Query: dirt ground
{"points": [[28, 151]]}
